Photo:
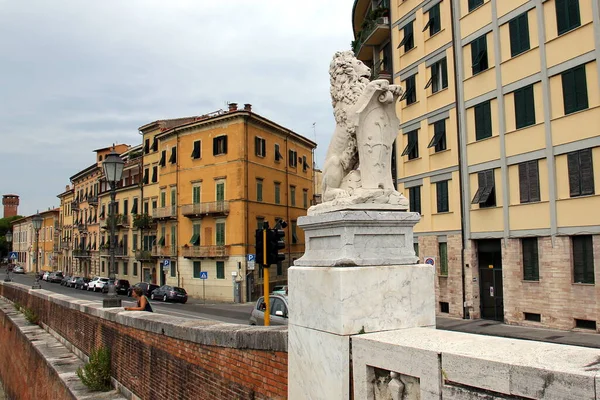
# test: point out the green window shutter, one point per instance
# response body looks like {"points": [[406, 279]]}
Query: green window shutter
{"points": [[414, 194], [567, 15], [533, 180], [444, 67], [483, 120], [443, 250], [583, 259], [436, 23], [220, 191], [220, 270], [220, 234], [568, 86], [574, 18], [523, 183], [163, 199], [574, 174], [196, 194], [524, 107], [519, 34], [581, 95], [529, 248], [173, 237], [197, 269], [259, 187], [442, 196], [473, 4], [277, 193], [586, 170]]}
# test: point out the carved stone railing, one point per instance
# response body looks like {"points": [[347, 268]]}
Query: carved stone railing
{"points": [[199, 209], [205, 251]]}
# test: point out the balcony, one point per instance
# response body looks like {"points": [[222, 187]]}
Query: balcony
{"points": [[81, 227], [374, 30], [169, 212], [143, 221], [143, 255], [92, 200], [81, 253], [121, 221], [65, 246], [205, 251], [75, 205], [199, 210], [164, 251], [119, 252]]}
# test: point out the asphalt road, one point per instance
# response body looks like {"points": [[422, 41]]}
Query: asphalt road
{"points": [[230, 313]]}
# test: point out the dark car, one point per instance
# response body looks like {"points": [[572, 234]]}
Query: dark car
{"points": [[170, 293], [81, 283], [65, 280], [148, 288], [121, 286], [55, 277]]}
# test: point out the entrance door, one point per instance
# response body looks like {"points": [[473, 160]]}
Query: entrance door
{"points": [[490, 275]]}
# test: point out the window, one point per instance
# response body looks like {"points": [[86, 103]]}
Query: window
{"points": [[534, 317], [196, 152], [163, 199], [412, 147], [441, 190], [135, 269], [581, 173], [414, 199], [195, 239], [574, 85], [293, 158], [220, 234], [529, 182], [439, 136], [173, 158], [134, 242], [439, 76], [434, 23], [479, 57], [173, 237], [408, 40], [443, 250], [125, 272], [411, 94], [173, 269], [102, 265], [279, 268], [219, 145], [155, 144], [125, 207], [583, 259], [305, 198], [259, 190], [277, 193], [531, 264], [220, 270], [146, 151], [524, 107], [197, 269], [173, 196], [473, 4], [154, 204], [483, 120], [260, 221], [444, 307], [260, 146], [146, 208], [416, 248], [163, 158], [304, 164], [294, 234], [134, 209], [293, 196], [485, 195], [278, 155], [146, 173], [519, 34], [220, 191], [567, 15]]}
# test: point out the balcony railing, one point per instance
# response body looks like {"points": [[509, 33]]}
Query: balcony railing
{"points": [[74, 205], [143, 255], [92, 200], [119, 252], [142, 221], [164, 251], [65, 246], [375, 30], [120, 221], [81, 253], [165, 212], [201, 209], [205, 251]]}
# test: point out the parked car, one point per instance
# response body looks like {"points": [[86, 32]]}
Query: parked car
{"points": [[98, 284], [18, 270], [64, 280], [278, 313], [121, 286], [45, 276], [72, 281], [282, 290], [170, 293], [56, 278], [81, 283], [92, 283], [148, 288]]}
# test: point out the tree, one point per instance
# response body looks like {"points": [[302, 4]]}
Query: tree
{"points": [[5, 227]]}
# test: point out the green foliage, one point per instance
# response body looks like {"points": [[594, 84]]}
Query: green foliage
{"points": [[96, 373], [5, 227], [17, 305], [30, 315], [142, 221]]}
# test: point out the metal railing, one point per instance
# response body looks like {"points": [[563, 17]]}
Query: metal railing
{"points": [[164, 251], [215, 207], [81, 253], [205, 251], [143, 255], [165, 212], [119, 252]]}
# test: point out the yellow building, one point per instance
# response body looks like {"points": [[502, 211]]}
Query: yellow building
{"points": [[65, 259], [49, 242], [219, 177], [498, 149]]}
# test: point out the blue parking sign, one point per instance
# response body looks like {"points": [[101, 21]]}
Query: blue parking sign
{"points": [[166, 263], [203, 275]]}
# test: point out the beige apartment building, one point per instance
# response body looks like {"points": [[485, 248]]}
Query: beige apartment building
{"points": [[498, 148], [65, 258]]}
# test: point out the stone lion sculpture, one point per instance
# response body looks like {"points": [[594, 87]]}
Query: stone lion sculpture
{"points": [[357, 168]]}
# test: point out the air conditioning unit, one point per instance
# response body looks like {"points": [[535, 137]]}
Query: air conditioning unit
{"points": [[383, 21]]}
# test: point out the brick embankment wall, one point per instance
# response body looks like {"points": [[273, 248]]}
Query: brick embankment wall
{"points": [[156, 356]]}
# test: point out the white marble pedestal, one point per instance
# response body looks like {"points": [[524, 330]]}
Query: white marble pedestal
{"points": [[350, 282]]}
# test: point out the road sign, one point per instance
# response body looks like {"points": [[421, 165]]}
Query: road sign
{"points": [[430, 261], [166, 263], [250, 257], [13, 255], [203, 275]]}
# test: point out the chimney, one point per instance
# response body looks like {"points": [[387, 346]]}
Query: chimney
{"points": [[68, 188], [232, 107], [248, 107]]}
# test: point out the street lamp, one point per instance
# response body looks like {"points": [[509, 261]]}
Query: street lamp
{"points": [[37, 225], [113, 171], [8, 238]]}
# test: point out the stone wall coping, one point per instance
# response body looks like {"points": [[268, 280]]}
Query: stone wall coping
{"points": [[204, 332]]}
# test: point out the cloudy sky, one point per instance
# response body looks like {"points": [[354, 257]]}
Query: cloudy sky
{"points": [[79, 75]]}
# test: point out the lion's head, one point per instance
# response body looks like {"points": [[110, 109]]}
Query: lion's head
{"points": [[348, 77]]}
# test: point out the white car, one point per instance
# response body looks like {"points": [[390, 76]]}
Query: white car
{"points": [[45, 276], [97, 283]]}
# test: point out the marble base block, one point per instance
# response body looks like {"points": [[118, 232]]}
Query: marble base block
{"points": [[346, 301], [318, 365], [358, 238]]}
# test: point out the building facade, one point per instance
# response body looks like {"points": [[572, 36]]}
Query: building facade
{"points": [[65, 260], [498, 149]]}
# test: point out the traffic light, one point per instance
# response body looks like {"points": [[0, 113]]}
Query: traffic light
{"points": [[260, 246], [275, 243]]}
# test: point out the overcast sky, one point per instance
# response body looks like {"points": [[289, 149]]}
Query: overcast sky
{"points": [[79, 75]]}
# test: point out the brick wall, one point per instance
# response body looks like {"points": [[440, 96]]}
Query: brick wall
{"points": [[157, 356]]}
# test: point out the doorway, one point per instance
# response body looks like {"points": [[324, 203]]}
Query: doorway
{"points": [[489, 253]]}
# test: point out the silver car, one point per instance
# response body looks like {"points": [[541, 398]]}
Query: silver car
{"points": [[279, 311]]}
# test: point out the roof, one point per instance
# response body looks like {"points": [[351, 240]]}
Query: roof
{"points": [[84, 172], [12, 195], [168, 123]]}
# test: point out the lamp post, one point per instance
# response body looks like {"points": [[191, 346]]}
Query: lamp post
{"points": [[113, 170], [8, 238], [37, 221]]}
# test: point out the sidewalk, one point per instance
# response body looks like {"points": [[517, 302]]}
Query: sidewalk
{"points": [[495, 328]]}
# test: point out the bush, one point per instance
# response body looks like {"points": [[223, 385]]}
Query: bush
{"points": [[30, 315], [17, 305], [96, 373]]}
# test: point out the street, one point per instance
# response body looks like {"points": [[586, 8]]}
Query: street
{"points": [[229, 313]]}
